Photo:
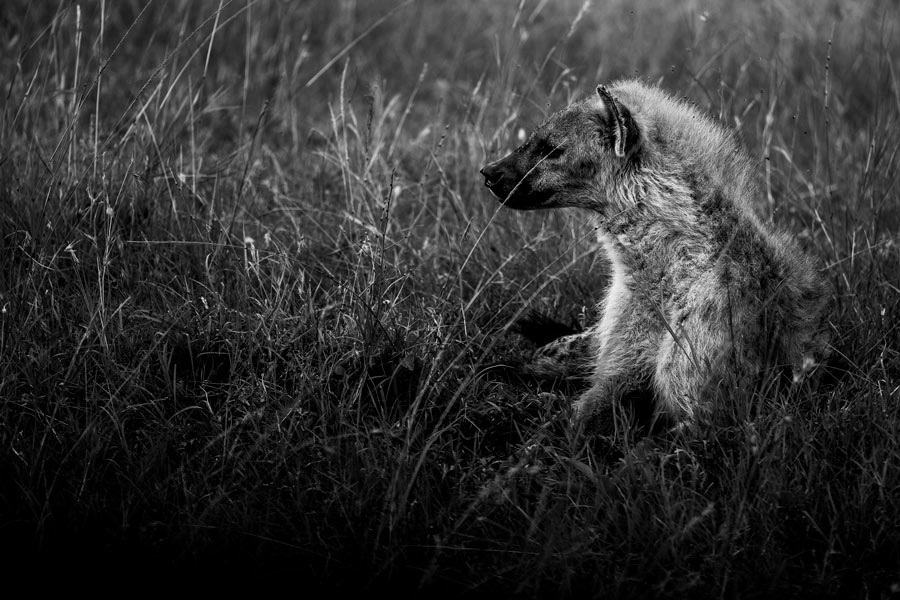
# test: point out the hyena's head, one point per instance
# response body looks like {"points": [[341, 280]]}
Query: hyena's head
{"points": [[575, 152]]}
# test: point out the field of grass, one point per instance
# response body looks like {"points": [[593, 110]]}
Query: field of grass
{"points": [[256, 302]]}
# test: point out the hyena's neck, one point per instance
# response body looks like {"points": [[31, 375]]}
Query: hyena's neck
{"points": [[663, 233]]}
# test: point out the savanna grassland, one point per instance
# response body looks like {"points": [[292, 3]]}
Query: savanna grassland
{"points": [[258, 308]]}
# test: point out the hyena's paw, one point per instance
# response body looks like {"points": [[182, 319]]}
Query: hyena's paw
{"points": [[595, 414], [607, 409]]}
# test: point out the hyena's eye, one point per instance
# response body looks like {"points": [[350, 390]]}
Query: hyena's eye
{"points": [[548, 150], [556, 152]]}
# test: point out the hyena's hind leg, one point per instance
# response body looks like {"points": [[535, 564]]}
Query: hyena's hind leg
{"points": [[563, 352]]}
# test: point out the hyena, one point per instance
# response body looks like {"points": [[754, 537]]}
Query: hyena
{"points": [[703, 293]]}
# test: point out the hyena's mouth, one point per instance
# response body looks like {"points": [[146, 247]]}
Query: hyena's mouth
{"points": [[512, 192]]}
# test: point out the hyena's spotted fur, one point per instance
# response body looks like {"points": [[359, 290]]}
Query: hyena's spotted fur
{"points": [[702, 291]]}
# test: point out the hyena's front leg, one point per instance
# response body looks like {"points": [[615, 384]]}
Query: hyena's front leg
{"points": [[622, 369]]}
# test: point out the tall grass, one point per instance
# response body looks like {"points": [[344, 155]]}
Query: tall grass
{"points": [[255, 302]]}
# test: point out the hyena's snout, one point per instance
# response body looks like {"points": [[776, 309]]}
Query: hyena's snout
{"points": [[502, 178], [493, 178], [512, 187]]}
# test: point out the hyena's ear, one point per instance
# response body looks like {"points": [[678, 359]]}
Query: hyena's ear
{"points": [[623, 128]]}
